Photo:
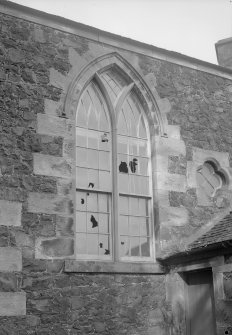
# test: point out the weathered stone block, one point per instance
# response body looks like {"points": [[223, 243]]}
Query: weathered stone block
{"points": [[170, 182], [57, 79], [16, 55], [64, 226], [10, 213], [49, 204], [55, 126], [47, 165], [54, 248], [8, 282], [10, 259], [12, 303], [170, 146], [52, 108]]}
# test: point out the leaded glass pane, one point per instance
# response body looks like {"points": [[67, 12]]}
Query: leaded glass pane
{"points": [[92, 158], [103, 223], [104, 160], [124, 205], [123, 225], [144, 227], [145, 246], [92, 244], [103, 203], [134, 223], [81, 137], [81, 157], [93, 139], [81, 243], [92, 205], [81, 177], [81, 222], [105, 180], [135, 246]]}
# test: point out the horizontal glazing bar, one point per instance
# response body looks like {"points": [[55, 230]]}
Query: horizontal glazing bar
{"points": [[135, 195], [87, 190]]}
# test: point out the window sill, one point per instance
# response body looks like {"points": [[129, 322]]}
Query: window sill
{"points": [[112, 267]]}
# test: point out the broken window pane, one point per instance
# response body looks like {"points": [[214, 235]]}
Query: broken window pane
{"points": [[81, 221], [93, 179], [133, 164], [104, 245], [92, 244], [123, 246], [81, 201], [104, 141], [92, 222], [123, 163], [81, 157]]}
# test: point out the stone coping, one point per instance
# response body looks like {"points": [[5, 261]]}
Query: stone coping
{"points": [[112, 267], [100, 36]]}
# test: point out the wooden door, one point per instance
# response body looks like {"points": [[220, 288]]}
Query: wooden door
{"points": [[200, 303]]}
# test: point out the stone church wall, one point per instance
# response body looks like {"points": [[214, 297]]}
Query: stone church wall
{"points": [[37, 295]]}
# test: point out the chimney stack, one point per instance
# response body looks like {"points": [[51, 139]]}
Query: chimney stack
{"points": [[224, 52]]}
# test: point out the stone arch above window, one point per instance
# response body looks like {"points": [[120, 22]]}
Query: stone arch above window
{"points": [[115, 72]]}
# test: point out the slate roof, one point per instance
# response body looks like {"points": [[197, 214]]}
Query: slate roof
{"points": [[217, 236], [219, 233]]}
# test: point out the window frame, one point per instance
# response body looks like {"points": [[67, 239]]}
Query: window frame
{"points": [[113, 114]]}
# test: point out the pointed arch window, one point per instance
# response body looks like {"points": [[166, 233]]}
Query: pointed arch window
{"points": [[113, 174]]}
